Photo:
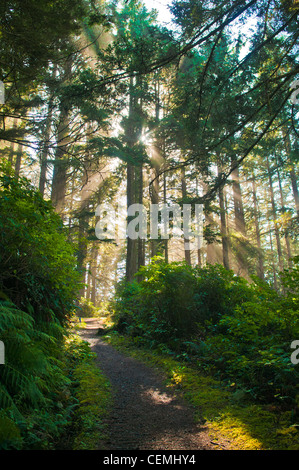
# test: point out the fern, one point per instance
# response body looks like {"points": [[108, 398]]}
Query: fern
{"points": [[10, 437], [7, 403], [38, 284], [13, 318], [28, 376]]}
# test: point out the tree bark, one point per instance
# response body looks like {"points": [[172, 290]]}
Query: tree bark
{"points": [[293, 176], [60, 164], [276, 229], [140, 241], [186, 240], [131, 259], [166, 254], [131, 138], [45, 149], [238, 203], [223, 226], [240, 224], [18, 161], [93, 269], [282, 201], [59, 180], [260, 260]]}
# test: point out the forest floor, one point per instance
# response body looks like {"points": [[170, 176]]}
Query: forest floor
{"points": [[146, 414]]}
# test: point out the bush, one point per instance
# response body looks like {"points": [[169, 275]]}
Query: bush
{"points": [[251, 346], [37, 264], [34, 399], [175, 301], [86, 308], [160, 306], [238, 331], [38, 287]]}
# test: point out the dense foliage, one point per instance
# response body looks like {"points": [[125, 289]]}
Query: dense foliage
{"points": [[105, 104], [38, 267], [38, 282], [239, 331]]}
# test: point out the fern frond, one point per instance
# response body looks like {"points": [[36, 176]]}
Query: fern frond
{"points": [[7, 403], [13, 318]]}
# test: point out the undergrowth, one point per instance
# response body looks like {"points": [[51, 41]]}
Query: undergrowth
{"points": [[91, 390], [229, 415]]}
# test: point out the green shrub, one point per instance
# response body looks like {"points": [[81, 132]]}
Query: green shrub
{"points": [[238, 331], [251, 346], [38, 286], [177, 302], [86, 308], [218, 291], [34, 399], [37, 263]]}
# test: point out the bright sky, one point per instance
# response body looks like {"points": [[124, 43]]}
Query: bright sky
{"points": [[164, 15]]}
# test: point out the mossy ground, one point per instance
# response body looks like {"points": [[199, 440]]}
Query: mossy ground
{"points": [[93, 394], [92, 391], [231, 418]]}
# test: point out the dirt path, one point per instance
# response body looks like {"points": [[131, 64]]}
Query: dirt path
{"points": [[146, 415]]}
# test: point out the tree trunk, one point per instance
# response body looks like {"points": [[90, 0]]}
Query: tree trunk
{"points": [[166, 254], [60, 163], [18, 160], [224, 234], [186, 239], [260, 261], [154, 200], [199, 250], [293, 176], [131, 260], [282, 201], [276, 229], [45, 149], [238, 203], [273, 261], [135, 248], [12, 145], [93, 269], [240, 225], [295, 188], [140, 241], [88, 288], [155, 161]]}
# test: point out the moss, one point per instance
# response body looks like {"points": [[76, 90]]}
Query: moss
{"points": [[92, 392], [229, 416], [94, 397]]}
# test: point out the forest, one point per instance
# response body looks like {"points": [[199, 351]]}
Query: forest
{"points": [[184, 110]]}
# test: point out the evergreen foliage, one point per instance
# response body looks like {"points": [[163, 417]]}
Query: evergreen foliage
{"points": [[103, 104]]}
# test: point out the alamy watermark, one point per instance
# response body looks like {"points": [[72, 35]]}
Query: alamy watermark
{"points": [[2, 353], [2, 93], [156, 222], [295, 354], [295, 85]]}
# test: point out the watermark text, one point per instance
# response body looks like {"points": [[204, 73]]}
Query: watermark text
{"points": [[2, 353], [157, 222], [2, 93], [295, 354]]}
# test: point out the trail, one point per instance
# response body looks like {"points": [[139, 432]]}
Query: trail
{"points": [[146, 415]]}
